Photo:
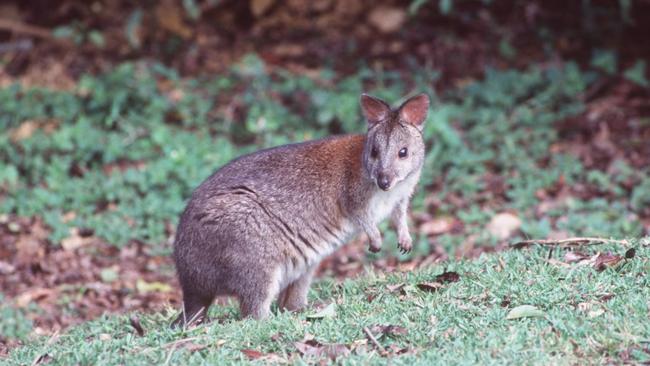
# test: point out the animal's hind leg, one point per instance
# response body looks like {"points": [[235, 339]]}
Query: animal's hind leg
{"points": [[255, 300]]}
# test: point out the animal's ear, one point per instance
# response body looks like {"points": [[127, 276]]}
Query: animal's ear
{"points": [[414, 110], [374, 110]]}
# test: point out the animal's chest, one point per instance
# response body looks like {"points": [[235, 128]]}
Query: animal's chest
{"points": [[382, 203]]}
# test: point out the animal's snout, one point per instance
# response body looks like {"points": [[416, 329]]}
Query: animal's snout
{"points": [[383, 182]]}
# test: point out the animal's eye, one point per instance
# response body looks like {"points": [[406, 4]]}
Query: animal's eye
{"points": [[374, 152], [403, 152]]}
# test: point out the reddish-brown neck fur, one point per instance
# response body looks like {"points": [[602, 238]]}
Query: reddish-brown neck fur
{"points": [[339, 160]]}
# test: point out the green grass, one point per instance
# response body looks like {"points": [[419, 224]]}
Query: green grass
{"points": [[590, 318], [121, 154], [14, 323]]}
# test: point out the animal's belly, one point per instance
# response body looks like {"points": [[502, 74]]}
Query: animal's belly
{"points": [[291, 270]]}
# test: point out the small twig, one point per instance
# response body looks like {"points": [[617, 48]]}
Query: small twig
{"points": [[22, 28], [550, 254], [53, 338], [42, 356], [177, 342], [195, 318], [374, 340], [39, 359], [173, 345], [32, 30], [569, 242], [169, 355]]}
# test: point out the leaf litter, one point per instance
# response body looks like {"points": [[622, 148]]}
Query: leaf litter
{"points": [[599, 261], [310, 347], [439, 281]]}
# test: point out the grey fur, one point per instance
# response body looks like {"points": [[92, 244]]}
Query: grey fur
{"points": [[259, 226]]}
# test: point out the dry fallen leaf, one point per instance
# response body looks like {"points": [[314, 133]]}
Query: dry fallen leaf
{"points": [[33, 295], [313, 348], [396, 288], [429, 286], [29, 250], [110, 274], [606, 297], [503, 225], [144, 287], [14, 227], [437, 226], [397, 350], [24, 131], [525, 311], [268, 358], [387, 19], [447, 277], [259, 7], [601, 261], [169, 16], [252, 354], [77, 239], [575, 257]]}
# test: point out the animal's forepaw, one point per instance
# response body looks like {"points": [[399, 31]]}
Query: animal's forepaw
{"points": [[375, 246], [405, 244]]}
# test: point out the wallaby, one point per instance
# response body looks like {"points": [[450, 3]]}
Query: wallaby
{"points": [[259, 226]]}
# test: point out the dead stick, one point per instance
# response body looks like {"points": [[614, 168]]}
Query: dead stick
{"points": [[374, 340], [179, 341], [169, 355], [32, 30], [570, 242]]}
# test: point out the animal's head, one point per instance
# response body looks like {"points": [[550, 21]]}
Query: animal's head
{"points": [[394, 147]]}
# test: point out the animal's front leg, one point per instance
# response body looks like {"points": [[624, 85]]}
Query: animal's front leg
{"points": [[399, 222], [373, 234]]}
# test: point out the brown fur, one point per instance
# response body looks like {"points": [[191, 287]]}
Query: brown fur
{"points": [[258, 227]]}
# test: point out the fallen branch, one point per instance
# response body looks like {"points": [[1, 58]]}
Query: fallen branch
{"points": [[570, 242], [22, 28], [31, 30]]}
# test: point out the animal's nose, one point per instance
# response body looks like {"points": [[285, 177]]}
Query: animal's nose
{"points": [[383, 182]]}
